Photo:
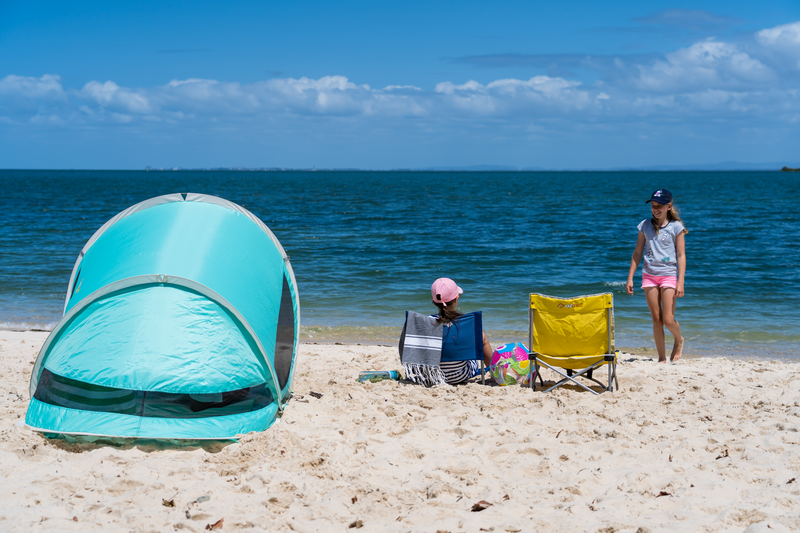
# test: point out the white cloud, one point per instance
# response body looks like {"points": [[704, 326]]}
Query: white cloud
{"points": [[401, 88], [704, 65], [707, 79], [449, 88], [324, 84], [540, 93], [545, 86], [204, 97], [329, 95], [111, 95], [37, 100], [786, 36], [46, 87], [784, 42]]}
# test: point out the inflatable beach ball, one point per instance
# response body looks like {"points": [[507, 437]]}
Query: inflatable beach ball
{"points": [[510, 365]]}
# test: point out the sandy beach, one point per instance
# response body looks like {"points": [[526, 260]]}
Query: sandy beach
{"points": [[709, 444]]}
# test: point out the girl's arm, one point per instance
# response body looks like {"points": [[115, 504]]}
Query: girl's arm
{"points": [[635, 260], [680, 253]]}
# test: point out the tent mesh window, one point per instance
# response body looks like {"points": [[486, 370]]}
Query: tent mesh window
{"points": [[284, 336], [65, 392]]}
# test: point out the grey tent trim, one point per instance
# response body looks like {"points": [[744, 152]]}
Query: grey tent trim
{"points": [[153, 279]]}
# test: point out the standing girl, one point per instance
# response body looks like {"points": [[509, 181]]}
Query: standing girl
{"points": [[662, 243]]}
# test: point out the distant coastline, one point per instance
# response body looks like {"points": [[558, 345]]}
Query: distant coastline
{"points": [[726, 166]]}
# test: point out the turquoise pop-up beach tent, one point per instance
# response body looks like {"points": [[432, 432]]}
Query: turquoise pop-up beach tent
{"points": [[181, 322]]}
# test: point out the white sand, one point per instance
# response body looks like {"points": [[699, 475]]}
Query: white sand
{"points": [[718, 438]]}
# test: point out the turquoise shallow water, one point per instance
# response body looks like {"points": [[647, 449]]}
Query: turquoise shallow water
{"points": [[365, 246]]}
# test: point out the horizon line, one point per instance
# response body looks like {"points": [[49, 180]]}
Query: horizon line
{"points": [[657, 168]]}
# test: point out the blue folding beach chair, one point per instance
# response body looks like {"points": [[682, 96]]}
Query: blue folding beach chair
{"points": [[462, 340]]}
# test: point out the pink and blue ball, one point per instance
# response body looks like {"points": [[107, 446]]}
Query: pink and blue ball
{"points": [[510, 365]]}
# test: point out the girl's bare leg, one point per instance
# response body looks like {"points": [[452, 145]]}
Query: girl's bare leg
{"points": [[668, 305], [653, 297], [487, 351]]}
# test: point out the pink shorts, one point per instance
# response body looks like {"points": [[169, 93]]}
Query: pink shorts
{"points": [[669, 282]]}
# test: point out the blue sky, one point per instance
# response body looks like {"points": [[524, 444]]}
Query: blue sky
{"points": [[574, 84]]}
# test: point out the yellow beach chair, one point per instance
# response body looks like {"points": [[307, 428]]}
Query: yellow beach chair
{"points": [[574, 334]]}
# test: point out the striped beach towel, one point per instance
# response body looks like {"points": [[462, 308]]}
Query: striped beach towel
{"points": [[421, 349]]}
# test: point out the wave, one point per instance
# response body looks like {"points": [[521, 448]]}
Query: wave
{"points": [[350, 334], [27, 326], [389, 335]]}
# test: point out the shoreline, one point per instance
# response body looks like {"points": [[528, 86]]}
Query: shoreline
{"points": [[311, 338], [708, 444]]}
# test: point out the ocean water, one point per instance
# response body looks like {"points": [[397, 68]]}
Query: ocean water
{"points": [[365, 246]]}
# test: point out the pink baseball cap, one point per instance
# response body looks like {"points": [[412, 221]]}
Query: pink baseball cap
{"points": [[445, 290]]}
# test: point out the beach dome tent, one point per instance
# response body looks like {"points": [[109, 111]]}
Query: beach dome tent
{"points": [[181, 322]]}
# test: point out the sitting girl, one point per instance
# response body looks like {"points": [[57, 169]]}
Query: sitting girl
{"points": [[445, 293]]}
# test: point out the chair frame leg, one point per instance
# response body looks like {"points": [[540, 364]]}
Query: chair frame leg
{"points": [[612, 374], [535, 369], [573, 380]]}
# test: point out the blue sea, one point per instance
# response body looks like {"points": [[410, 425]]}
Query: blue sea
{"points": [[365, 246]]}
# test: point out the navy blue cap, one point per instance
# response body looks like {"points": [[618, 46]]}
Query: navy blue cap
{"points": [[661, 196]]}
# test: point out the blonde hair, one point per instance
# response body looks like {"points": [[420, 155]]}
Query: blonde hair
{"points": [[672, 214]]}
